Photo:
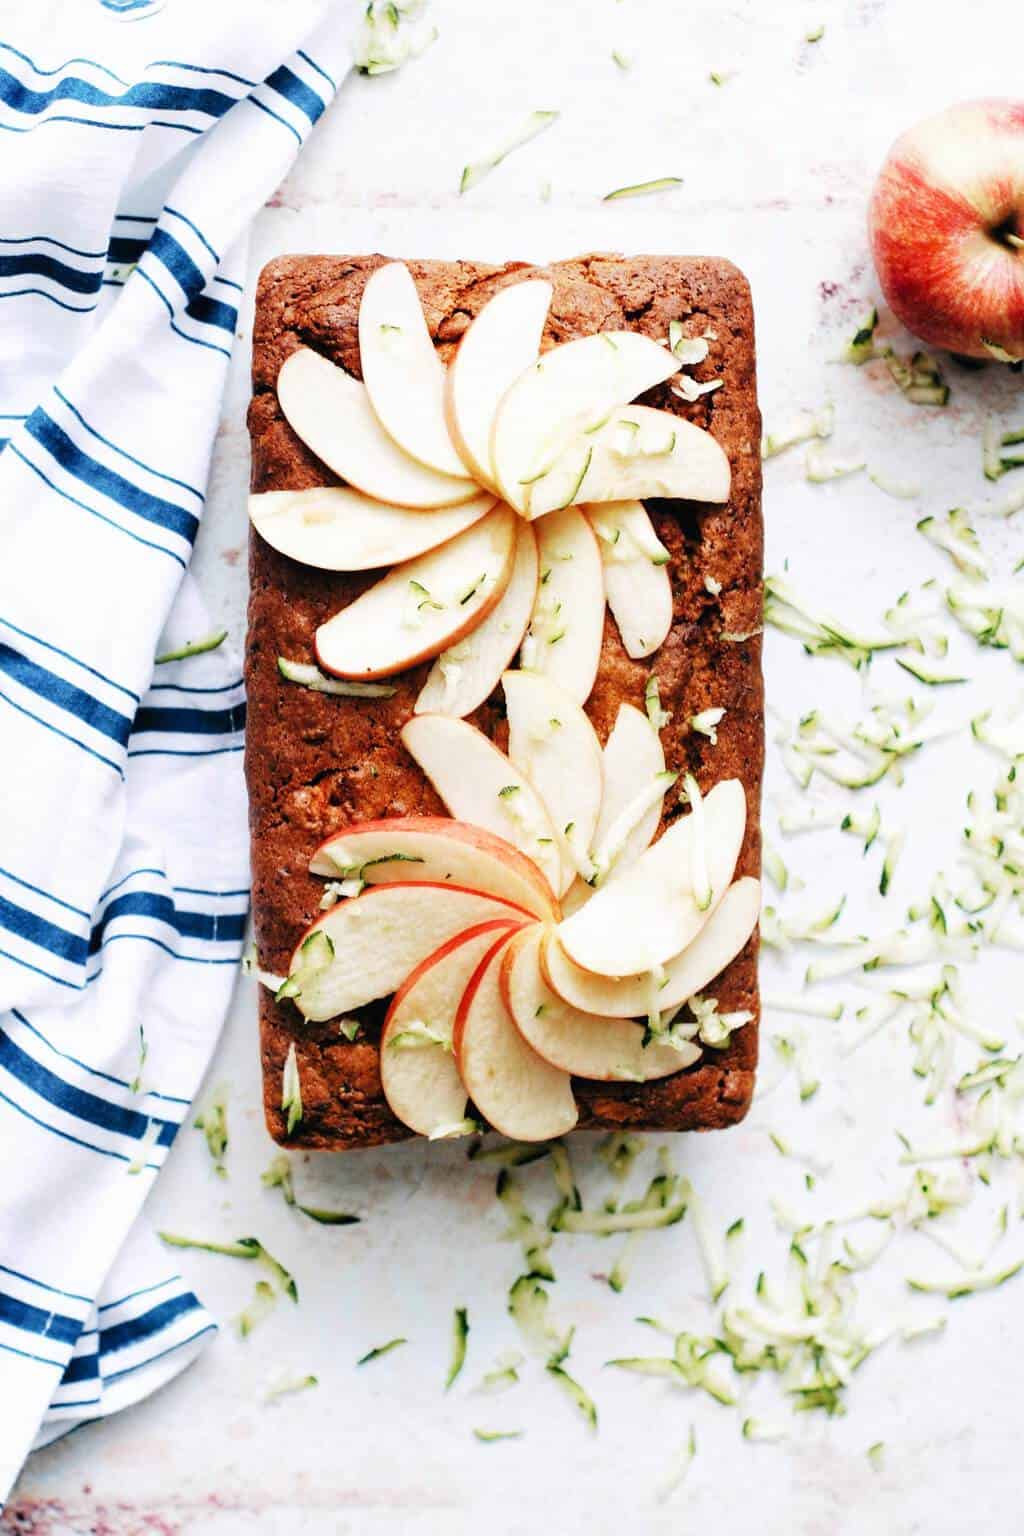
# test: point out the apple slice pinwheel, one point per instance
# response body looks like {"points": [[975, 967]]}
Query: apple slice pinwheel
{"points": [[437, 849], [331, 412], [635, 783], [552, 741], [466, 674], [518, 1093], [418, 1071], [423, 606], [336, 528], [653, 910], [499, 345], [718, 942], [581, 1043], [636, 579], [569, 391], [636, 452], [403, 374], [567, 624], [364, 948], [478, 784]]}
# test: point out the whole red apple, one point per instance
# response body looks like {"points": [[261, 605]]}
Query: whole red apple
{"points": [[947, 229]]}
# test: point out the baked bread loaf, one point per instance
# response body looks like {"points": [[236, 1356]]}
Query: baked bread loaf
{"points": [[317, 763]]}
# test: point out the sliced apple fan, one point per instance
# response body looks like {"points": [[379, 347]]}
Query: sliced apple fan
{"points": [[497, 997], [423, 451]]}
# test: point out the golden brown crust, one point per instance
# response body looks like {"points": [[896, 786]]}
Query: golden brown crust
{"points": [[317, 763]]}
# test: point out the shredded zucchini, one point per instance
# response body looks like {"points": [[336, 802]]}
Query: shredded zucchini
{"points": [[194, 648], [380, 1350], [536, 123]]}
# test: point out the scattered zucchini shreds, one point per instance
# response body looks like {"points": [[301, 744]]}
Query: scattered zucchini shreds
{"points": [[601, 1223], [876, 1454], [861, 346], [815, 35], [622, 60], [618, 1151], [821, 632], [194, 648], [966, 1286], [509, 1154], [290, 1386], [475, 172], [291, 1090], [311, 677], [534, 1240], [757, 1429], [893, 848], [213, 1122], [644, 188], [241, 1248], [618, 1275], [928, 675], [719, 77], [683, 1463], [565, 1183], [919, 378], [901, 490], [580, 1399], [820, 468], [774, 867], [711, 1251], [505, 1374], [784, 1003], [263, 1303], [808, 425], [460, 1333], [389, 36], [490, 1436], [278, 1175], [379, 1350]]}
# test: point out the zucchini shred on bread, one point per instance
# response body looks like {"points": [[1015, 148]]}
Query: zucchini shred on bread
{"points": [[317, 764]]}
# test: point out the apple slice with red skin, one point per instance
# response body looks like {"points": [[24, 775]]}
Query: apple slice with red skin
{"points": [[436, 849], [420, 1079], [946, 225], [720, 940], [374, 940], [423, 606], [465, 675], [651, 912], [337, 528], [584, 1044], [518, 1093], [500, 343], [332, 414]]}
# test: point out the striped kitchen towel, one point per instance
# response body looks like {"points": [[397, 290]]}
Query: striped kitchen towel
{"points": [[134, 157]]}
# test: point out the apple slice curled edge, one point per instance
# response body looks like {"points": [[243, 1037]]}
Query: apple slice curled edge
{"points": [[715, 946], [552, 741], [571, 389], [421, 607], [567, 623], [336, 528], [633, 759], [650, 913], [498, 346], [332, 414], [439, 850], [583, 1044], [404, 376], [420, 1079], [466, 674], [637, 452], [478, 784], [518, 1093], [374, 940]]}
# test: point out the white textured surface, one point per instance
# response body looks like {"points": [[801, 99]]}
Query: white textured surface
{"points": [[777, 166]]}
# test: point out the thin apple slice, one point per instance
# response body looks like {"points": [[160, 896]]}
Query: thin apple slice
{"points": [[638, 452], [499, 345], [570, 390], [478, 784], [366, 947], [337, 528], [719, 942], [636, 578], [437, 849], [518, 1093], [551, 740], [581, 1043], [567, 626], [652, 911], [418, 1071], [331, 412], [423, 606], [465, 675], [634, 768], [404, 376]]}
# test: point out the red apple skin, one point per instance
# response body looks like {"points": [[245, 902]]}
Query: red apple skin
{"points": [[949, 193]]}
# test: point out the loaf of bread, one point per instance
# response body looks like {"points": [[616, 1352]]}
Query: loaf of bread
{"points": [[317, 763]]}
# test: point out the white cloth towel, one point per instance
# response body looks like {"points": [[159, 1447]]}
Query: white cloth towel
{"points": [[133, 158]]}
